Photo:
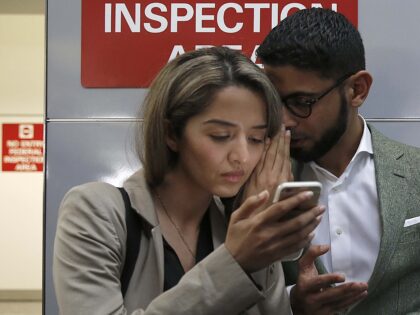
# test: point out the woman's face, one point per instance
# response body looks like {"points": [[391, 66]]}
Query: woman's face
{"points": [[221, 146]]}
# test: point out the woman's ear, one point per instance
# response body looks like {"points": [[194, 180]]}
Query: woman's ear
{"points": [[170, 137], [361, 83]]}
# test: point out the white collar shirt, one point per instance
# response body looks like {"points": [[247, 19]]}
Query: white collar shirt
{"points": [[351, 223]]}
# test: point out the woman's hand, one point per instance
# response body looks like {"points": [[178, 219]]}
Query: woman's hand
{"points": [[257, 238], [273, 168]]}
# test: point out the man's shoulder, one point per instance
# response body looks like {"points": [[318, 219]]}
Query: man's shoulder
{"points": [[389, 153], [383, 143]]}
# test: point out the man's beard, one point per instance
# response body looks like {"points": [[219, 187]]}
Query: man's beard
{"points": [[330, 137]]}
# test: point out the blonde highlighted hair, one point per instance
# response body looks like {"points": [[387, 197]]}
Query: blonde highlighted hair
{"points": [[183, 89]]}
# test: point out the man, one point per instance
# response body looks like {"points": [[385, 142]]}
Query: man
{"points": [[371, 184]]}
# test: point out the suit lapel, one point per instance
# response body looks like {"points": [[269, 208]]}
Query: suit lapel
{"points": [[393, 195]]}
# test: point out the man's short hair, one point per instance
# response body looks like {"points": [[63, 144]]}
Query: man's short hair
{"points": [[316, 39]]}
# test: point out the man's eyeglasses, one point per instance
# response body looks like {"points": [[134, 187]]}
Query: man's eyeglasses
{"points": [[301, 105]]}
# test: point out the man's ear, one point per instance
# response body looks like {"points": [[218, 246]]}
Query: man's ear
{"points": [[170, 137], [361, 83]]}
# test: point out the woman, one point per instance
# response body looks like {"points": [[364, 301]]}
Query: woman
{"points": [[208, 115]]}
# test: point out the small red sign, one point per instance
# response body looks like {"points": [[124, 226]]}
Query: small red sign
{"points": [[126, 42], [23, 147]]}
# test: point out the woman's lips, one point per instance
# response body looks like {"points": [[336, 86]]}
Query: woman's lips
{"points": [[234, 177]]}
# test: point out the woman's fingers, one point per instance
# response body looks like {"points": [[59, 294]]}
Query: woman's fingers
{"points": [[280, 208], [260, 166], [278, 154], [274, 166], [250, 205], [273, 157], [281, 167], [258, 237], [286, 172], [289, 233], [312, 216]]}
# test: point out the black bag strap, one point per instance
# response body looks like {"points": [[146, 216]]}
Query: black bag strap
{"points": [[134, 227]]}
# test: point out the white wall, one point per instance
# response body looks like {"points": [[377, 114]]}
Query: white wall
{"points": [[22, 51]]}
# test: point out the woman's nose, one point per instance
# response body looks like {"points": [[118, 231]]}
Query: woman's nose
{"points": [[240, 152]]}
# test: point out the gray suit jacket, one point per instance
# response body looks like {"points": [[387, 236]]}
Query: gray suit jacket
{"points": [[394, 287]]}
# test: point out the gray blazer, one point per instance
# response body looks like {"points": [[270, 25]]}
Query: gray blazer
{"points": [[89, 253], [394, 287]]}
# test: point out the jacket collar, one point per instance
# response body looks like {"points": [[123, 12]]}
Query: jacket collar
{"points": [[142, 202], [140, 197]]}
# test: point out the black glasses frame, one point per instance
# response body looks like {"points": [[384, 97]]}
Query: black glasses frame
{"points": [[311, 102]]}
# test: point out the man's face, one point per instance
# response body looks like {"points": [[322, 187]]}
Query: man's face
{"points": [[312, 137]]}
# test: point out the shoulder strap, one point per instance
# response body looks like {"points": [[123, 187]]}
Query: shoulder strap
{"points": [[134, 228]]}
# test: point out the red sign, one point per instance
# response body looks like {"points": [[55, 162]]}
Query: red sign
{"points": [[126, 42], [23, 147]]}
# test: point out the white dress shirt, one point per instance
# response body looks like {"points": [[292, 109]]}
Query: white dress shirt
{"points": [[351, 223]]}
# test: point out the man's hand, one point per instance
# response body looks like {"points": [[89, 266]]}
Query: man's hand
{"points": [[317, 294]]}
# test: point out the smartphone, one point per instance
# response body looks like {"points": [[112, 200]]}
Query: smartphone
{"points": [[289, 189]]}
